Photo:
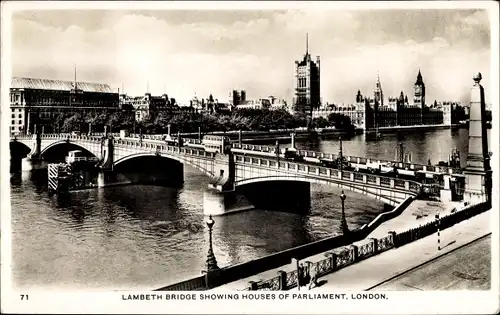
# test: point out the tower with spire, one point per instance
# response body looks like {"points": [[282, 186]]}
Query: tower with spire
{"points": [[76, 98], [307, 83], [419, 88], [378, 93]]}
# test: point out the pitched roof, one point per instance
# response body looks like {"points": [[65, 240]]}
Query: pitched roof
{"points": [[58, 85]]}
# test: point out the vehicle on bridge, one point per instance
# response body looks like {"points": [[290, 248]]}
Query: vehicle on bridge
{"points": [[169, 140], [334, 163], [79, 156], [292, 154], [377, 168], [216, 144]]}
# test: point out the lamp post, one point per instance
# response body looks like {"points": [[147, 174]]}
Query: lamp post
{"points": [[343, 221], [341, 157], [211, 261], [277, 151]]}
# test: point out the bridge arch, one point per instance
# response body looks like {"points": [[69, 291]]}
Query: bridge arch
{"points": [[177, 158], [388, 195], [19, 148], [86, 147]]}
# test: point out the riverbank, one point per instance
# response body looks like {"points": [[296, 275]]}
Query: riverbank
{"points": [[419, 212], [415, 127], [281, 134]]}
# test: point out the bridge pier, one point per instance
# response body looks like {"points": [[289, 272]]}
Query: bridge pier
{"points": [[219, 203], [28, 164]]}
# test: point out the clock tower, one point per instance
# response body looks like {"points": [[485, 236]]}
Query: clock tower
{"points": [[419, 87]]}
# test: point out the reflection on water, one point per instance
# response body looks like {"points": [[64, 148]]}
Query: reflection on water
{"points": [[144, 237]]}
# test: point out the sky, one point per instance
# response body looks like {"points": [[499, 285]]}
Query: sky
{"points": [[186, 52]]}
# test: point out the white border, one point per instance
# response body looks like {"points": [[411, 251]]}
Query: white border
{"points": [[460, 302]]}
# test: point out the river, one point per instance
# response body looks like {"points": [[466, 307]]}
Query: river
{"points": [[145, 237]]}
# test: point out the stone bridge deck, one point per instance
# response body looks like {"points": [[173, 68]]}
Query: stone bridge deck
{"points": [[228, 172]]}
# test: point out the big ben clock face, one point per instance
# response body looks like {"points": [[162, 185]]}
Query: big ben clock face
{"points": [[418, 89]]}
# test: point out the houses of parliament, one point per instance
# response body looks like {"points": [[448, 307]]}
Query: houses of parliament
{"points": [[370, 112]]}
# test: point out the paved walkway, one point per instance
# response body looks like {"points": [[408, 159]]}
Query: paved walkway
{"points": [[418, 213], [466, 268]]}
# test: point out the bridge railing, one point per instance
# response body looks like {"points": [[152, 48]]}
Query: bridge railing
{"points": [[163, 148], [319, 171], [352, 159]]}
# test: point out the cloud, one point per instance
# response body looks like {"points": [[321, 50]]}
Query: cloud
{"points": [[258, 53]]}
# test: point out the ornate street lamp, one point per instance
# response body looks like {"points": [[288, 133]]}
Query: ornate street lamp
{"points": [[343, 222], [277, 151], [341, 157], [211, 261]]}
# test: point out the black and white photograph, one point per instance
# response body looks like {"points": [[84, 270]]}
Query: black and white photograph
{"points": [[278, 156]]}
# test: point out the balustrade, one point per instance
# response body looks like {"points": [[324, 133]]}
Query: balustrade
{"points": [[399, 183], [371, 179], [358, 177], [384, 181], [346, 175]]}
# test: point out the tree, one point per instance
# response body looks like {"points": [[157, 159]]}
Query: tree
{"points": [[340, 121], [72, 123]]}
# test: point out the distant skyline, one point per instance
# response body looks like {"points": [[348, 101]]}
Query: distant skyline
{"points": [[187, 52]]}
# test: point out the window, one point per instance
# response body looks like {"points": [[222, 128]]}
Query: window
{"points": [[12, 128], [13, 122], [20, 122], [20, 115], [13, 115]]}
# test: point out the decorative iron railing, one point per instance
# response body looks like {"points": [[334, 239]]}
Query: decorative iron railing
{"points": [[269, 285], [323, 267], [385, 243], [365, 250], [291, 279]]}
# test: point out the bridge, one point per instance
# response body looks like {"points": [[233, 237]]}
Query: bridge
{"points": [[263, 181]]}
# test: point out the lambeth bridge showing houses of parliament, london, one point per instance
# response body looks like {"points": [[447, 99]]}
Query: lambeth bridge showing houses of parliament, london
{"points": [[236, 167]]}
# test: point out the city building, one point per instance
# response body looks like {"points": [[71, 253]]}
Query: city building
{"points": [[211, 105], [307, 83], [271, 103], [35, 101], [235, 97], [371, 113], [147, 106]]}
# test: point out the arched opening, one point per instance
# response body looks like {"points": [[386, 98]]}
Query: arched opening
{"points": [[18, 151], [149, 170], [388, 195], [279, 195], [57, 152]]}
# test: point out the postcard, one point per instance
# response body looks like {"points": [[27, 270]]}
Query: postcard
{"points": [[250, 157]]}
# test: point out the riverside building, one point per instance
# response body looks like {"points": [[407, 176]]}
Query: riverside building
{"points": [[307, 83], [35, 101], [371, 112]]}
